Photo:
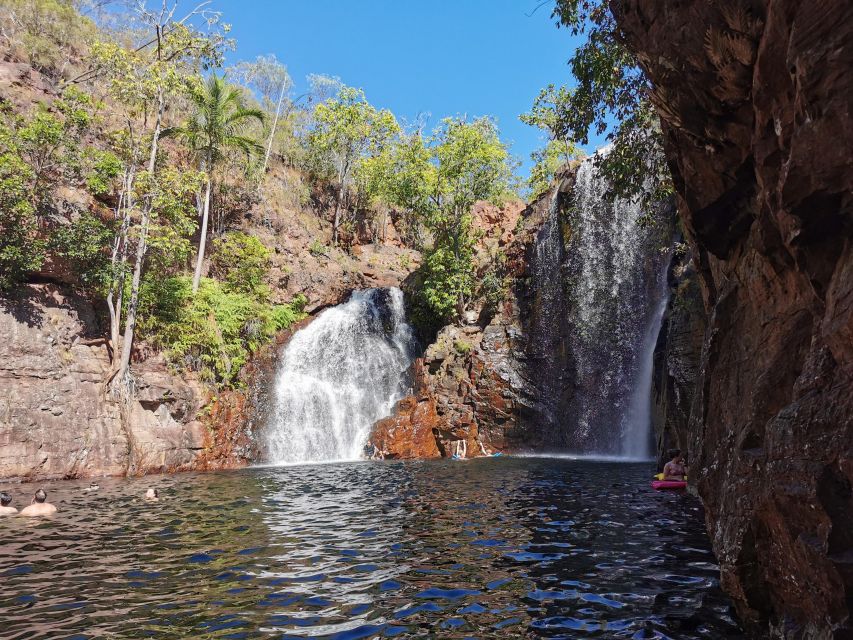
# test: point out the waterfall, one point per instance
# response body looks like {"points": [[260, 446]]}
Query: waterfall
{"points": [[599, 296], [338, 376]]}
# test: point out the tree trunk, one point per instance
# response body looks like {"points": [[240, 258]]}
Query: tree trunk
{"points": [[272, 135], [120, 380], [202, 243], [118, 260], [337, 215]]}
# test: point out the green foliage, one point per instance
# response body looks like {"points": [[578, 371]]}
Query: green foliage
{"points": [[462, 347], [34, 153], [317, 248], [438, 180], [47, 33], [547, 162], [173, 215], [610, 84], [346, 129], [241, 262], [104, 168], [493, 289], [214, 331], [51, 141], [84, 244], [446, 278], [21, 250], [218, 123]]}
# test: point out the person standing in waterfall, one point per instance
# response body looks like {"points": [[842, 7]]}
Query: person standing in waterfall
{"points": [[675, 469]]}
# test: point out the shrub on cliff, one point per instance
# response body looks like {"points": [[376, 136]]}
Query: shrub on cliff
{"points": [[213, 331], [241, 262]]}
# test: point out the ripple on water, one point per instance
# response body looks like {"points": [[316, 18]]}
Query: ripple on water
{"points": [[488, 549]]}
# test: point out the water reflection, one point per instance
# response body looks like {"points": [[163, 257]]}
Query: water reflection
{"points": [[501, 548]]}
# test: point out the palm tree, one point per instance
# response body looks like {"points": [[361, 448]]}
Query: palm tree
{"points": [[218, 124]]}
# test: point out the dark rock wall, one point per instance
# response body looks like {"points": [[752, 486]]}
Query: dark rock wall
{"points": [[677, 358], [755, 101]]}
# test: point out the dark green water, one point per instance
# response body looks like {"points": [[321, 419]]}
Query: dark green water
{"points": [[495, 548]]}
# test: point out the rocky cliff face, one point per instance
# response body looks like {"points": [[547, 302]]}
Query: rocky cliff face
{"points": [[56, 421], [754, 99], [677, 357]]}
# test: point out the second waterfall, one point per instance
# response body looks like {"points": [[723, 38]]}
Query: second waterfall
{"points": [[599, 293], [338, 376]]}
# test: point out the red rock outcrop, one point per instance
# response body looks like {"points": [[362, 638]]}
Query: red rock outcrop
{"points": [[410, 433], [755, 103]]}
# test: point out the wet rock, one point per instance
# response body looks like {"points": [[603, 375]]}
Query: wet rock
{"points": [[676, 360], [410, 432], [758, 134]]}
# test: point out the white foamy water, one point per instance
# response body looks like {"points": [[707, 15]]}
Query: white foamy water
{"points": [[338, 376], [614, 293]]}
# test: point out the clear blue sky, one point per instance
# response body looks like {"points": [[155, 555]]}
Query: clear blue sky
{"points": [[444, 57]]}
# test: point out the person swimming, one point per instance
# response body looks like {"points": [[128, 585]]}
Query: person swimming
{"points": [[675, 469], [152, 494], [5, 501], [39, 506]]}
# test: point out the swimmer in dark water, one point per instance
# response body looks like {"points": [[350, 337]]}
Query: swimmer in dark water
{"points": [[675, 469], [153, 495], [5, 501], [39, 505]]}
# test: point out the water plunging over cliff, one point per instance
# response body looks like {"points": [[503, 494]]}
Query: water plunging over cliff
{"points": [[600, 294], [338, 376]]}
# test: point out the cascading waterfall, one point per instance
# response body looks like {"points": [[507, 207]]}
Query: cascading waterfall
{"points": [[338, 376], [607, 311]]}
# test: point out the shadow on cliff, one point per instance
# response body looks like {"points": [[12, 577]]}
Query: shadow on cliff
{"points": [[23, 308]]}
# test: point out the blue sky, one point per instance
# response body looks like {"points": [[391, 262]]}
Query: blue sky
{"points": [[443, 57]]}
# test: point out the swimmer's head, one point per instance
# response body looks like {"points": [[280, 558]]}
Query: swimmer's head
{"points": [[40, 496], [5, 499]]}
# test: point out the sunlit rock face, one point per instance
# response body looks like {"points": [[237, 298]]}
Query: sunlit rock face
{"points": [[759, 135], [57, 421]]}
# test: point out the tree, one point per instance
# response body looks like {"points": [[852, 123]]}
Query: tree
{"points": [[439, 179], [610, 86], [559, 150], [35, 153], [547, 161], [216, 126], [140, 81], [269, 78], [346, 130], [401, 175]]}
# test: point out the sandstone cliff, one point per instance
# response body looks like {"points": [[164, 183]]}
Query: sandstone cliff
{"points": [[57, 422], [754, 99]]}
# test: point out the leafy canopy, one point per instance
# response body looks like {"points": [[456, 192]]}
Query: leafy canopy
{"points": [[347, 128], [610, 86], [218, 122], [437, 180]]}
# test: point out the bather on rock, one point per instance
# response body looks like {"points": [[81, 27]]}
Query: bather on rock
{"points": [[39, 505], [5, 501]]}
